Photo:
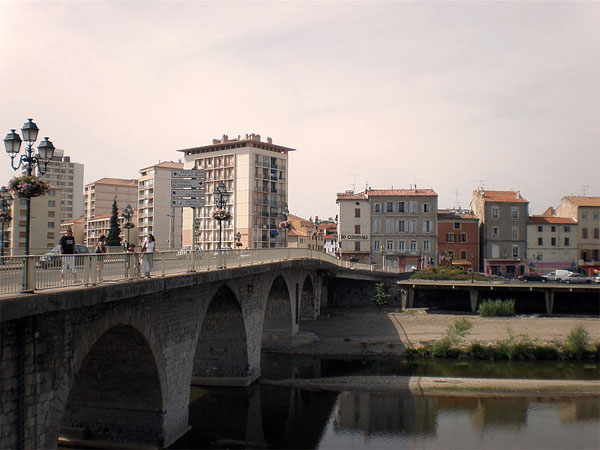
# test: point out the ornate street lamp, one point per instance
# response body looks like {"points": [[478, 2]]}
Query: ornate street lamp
{"points": [[221, 214], [127, 214], [238, 239], [197, 232], [5, 201], [12, 144], [285, 212]]}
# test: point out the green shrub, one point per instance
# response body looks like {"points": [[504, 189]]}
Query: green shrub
{"points": [[493, 308], [478, 351], [546, 352], [577, 341], [380, 297]]}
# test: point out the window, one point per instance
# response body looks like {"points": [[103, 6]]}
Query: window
{"points": [[401, 207], [514, 213], [515, 232], [463, 254], [389, 226], [540, 228], [584, 216], [495, 232], [553, 242], [567, 242], [495, 212], [515, 251], [427, 226], [412, 207], [463, 237], [51, 203], [389, 207], [449, 237], [52, 193], [553, 229], [22, 234], [50, 224], [596, 233], [540, 241], [426, 246], [413, 246], [401, 224], [426, 208], [376, 246], [457, 225], [584, 233], [22, 223], [596, 216], [377, 226], [401, 246], [51, 214], [357, 246], [356, 212], [389, 246], [377, 208], [450, 253], [412, 226], [356, 229], [495, 251], [567, 229], [50, 236]]}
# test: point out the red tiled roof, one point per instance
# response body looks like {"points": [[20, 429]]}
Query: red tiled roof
{"points": [[351, 196], [502, 196], [401, 192], [118, 181], [296, 233], [552, 219], [166, 165], [451, 214], [584, 201]]}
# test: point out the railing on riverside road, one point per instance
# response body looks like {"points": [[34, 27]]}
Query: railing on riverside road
{"points": [[33, 273]]}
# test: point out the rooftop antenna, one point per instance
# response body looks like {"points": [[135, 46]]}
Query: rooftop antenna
{"points": [[481, 184], [353, 175], [456, 202], [584, 188]]}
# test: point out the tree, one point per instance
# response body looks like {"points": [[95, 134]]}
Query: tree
{"points": [[114, 232], [380, 297]]}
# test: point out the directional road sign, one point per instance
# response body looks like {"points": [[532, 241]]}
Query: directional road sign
{"points": [[188, 202], [188, 173], [178, 183], [187, 192]]}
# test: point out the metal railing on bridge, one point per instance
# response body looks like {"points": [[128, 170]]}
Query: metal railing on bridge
{"points": [[33, 273]]}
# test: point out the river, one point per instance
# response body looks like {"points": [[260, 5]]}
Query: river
{"points": [[276, 417]]}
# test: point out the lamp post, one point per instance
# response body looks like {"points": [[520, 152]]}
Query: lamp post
{"points": [[12, 144], [221, 197], [238, 240], [127, 214], [285, 212], [5, 201], [197, 223]]}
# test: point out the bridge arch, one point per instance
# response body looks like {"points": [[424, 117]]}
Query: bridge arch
{"points": [[221, 353], [116, 390], [307, 299], [278, 318]]}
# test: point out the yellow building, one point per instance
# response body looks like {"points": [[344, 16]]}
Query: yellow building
{"points": [[304, 234], [100, 225]]}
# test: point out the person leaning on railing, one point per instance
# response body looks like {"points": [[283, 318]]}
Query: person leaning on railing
{"points": [[131, 262], [100, 250]]}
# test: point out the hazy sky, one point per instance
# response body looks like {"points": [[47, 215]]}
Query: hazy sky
{"points": [[441, 94]]}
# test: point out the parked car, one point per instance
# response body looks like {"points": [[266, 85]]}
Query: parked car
{"points": [[532, 276], [52, 257], [596, 279], [556, 275], [575, 278]]}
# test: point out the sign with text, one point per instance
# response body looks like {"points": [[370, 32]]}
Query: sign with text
{"points": [[187, 192], [187, 173], [179, 183], [355, 237], [188, 202]]}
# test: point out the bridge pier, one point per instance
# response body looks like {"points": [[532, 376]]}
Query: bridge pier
{"points": [[474, 297], [549, 296]]}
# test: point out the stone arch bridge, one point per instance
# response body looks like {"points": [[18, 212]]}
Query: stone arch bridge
{"points": [[115, 362]]}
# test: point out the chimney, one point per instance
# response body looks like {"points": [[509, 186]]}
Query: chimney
{"points": [[269, 140], [225, 138]]}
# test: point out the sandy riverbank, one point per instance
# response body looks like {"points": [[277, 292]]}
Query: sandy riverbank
{"points": [[364, 332]]}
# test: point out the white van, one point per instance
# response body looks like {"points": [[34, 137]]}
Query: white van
{"points": [[557, 275]]}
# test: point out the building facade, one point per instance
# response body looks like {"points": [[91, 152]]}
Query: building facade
{"points": [[255, 175], [99, 196], [68, 177], [44, 224], [330, 241], [304, 234], [503, 217], [100, 225], [395, 228], [458, 239], [551, 243], [586, 211], [155, 214]]}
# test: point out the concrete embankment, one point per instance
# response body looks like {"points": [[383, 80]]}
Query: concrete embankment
{"points": [[446, 386]]}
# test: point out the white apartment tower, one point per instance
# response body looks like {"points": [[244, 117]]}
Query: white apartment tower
{"points": [[155, 214], [68, 177], [255, 174]]}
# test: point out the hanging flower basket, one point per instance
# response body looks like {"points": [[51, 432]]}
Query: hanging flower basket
{"points": [[28, 186], [5, 216], [285, 225], [221, 214]]}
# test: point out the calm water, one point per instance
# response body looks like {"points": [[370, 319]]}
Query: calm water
{"points": [[274, 417]]}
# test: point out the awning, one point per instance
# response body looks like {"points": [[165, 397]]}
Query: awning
{"points": [[461, 262]]}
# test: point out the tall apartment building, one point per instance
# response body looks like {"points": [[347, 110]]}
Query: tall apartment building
{"points": [[44, 224], [458, 239], [503, 217], [392, 227], [155, 214], [100, 225], [255, 174], [99, 196], [68, 177], [551, 243], [586, 210]]}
